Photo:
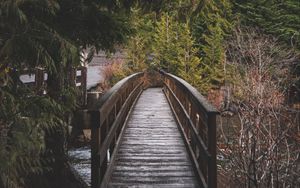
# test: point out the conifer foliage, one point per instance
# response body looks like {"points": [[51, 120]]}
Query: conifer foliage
{"points": [[174, 49], [166, 40], [280, 18], [47, 34], [210, 28]]}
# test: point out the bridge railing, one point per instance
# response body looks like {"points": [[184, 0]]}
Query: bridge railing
{"points": [[197, 120], [107, 123]]}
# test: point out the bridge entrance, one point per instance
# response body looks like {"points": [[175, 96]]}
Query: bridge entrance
{"points": [[158, 137]]}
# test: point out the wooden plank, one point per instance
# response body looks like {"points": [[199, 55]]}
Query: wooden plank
{"points": [[153, 173], [154, 168], [154, 180], [152, 152], [154, 137], [166, 164], [170, 185]]}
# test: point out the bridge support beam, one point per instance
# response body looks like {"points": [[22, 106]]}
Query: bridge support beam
{"points": [[95, 143], [212, 166]]}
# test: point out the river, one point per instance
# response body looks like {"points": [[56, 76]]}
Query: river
{"points": [[80, 159]]}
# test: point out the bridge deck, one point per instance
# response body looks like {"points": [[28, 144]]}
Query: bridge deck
{"points": [[152, 152]]}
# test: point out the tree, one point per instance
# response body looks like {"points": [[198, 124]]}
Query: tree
{"points": [[262, 147], [48, 34], [210, 27], [189, 63], [165, 44], [280, 18], [138, 48]]}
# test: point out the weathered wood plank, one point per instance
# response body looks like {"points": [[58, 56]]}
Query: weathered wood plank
{"points": [[159, 163], [152, 152], [148, 173], [169, 185], [154, 179], [154, 168]]}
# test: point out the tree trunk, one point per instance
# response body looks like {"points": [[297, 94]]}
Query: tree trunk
{"points": [[55, 139]]}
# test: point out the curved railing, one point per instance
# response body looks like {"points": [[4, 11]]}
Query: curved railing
{"points": [[107, 124], [197, 121]]}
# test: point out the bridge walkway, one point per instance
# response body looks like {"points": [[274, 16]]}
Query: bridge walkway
{"points": [[152, 152]]}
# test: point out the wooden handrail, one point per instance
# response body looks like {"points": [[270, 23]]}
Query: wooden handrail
{"points": [[108, 118], [197, 120]]}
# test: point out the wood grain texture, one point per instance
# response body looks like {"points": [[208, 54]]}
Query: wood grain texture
{"points": [[152, 152]]}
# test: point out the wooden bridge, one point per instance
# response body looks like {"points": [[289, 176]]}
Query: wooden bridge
{"points": [[155, 137]]}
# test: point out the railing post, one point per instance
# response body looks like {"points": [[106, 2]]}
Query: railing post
{"points": [[39, 80], [72, 80], [212, 144], [84, 84], [95, 145]]}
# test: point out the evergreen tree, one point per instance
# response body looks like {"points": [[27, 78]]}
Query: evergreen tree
{"points": [[189, 63], [48, 34], [210, 28], [175, 51], [165, 44], [280, 18], [138, 48]]}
